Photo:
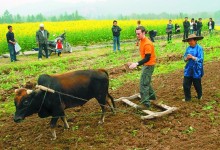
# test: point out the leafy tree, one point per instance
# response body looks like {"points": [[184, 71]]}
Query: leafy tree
{"points": [[40, 18], [7, 17], [18, 18]]}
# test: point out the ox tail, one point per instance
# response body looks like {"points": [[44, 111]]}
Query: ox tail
{"points": [[112, 99]]}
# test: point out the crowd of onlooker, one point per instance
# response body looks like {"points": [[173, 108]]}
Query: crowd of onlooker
{"points": [[42, 35], [189, 27], [192, 27]]}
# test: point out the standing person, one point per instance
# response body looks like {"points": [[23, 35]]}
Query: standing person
{"points": [[199, 27], [11, 43], [152, 34], [191, 26], [116, 35], [195, 27], [59, 47], [177, 28], [193, 71], [138, 24], [169, 31], [148, 61], [211, 25], [186, 26], [42, 36]]}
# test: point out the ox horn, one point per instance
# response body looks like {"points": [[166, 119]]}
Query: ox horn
{"points": [[29, 91]]}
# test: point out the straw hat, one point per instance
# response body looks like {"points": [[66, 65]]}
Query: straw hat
{"points": [[193, 36]]}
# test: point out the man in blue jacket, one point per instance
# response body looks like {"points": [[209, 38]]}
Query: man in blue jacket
{"points": [[193, 71]]}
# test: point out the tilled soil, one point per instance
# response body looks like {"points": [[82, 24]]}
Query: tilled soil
{"points": [[195, 125]]}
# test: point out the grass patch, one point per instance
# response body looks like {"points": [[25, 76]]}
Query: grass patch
{"points": [[29, 68]]}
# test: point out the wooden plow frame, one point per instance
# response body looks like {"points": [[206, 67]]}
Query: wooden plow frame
{"points": [[150, 114]]}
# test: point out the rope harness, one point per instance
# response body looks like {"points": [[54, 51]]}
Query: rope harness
{"points": [[49, 90]]}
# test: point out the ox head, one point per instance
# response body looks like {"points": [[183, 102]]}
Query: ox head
{"points": [[23, 101]]}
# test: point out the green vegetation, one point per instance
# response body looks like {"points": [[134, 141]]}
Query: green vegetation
{"points": [[189, 130], [28, 69]]}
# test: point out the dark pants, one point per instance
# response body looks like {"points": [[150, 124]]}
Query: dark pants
{"points": [[185, 34], [169, 36], [146, 89], [152, 38], [59, 51], [210, 31], [12, 52], [187, 83], [199, 32], [42, 47], [116, 41]]}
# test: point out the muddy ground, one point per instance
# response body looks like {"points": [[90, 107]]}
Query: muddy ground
{"points": [[194, 126]]}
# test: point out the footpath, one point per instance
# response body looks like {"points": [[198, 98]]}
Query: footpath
{"points": [[98, 45]]}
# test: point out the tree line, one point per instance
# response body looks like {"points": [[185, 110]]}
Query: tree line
{"points": [[7, 17], [163, 15]]}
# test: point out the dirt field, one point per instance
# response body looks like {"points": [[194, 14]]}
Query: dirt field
{"points": [[194, 126]]}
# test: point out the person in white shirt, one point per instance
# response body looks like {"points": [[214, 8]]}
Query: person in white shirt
{"points": [[191, 26]]}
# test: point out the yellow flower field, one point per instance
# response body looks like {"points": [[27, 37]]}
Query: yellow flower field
{"points": [[78, 32]]}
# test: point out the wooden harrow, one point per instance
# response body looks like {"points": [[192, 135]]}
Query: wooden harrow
{"points": [[150, 114]]}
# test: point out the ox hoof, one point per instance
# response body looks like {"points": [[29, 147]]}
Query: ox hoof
{"points": [[66, 128], [101, 122], [53, 139]]}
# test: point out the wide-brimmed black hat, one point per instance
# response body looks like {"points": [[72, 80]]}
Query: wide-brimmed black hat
{"points": [[193, 36]]}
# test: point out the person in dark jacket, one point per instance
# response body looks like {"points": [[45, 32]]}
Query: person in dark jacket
{"points": [[195, 26], [42, 36], [193, 72], [152, 34], [177, 28], [169, 31], [199, 27], [116, 35], [11, 44], [186, 26], [211, 25]]}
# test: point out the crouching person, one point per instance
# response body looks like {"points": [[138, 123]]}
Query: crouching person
{"points": [[59, 47]]}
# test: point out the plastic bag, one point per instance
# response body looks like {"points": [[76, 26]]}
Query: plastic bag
{"points": [[17, 47]]}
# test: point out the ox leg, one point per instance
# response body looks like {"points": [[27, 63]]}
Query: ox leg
{"points": [[103, 114], [53, 123], [66, 125], [112, 108], [102, 103]]}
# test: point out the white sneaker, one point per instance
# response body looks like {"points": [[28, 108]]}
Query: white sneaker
{"points": [[39, 59], [184, 100]]}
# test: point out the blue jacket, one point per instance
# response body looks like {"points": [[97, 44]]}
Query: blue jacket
{"points": [[194, 68]]}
